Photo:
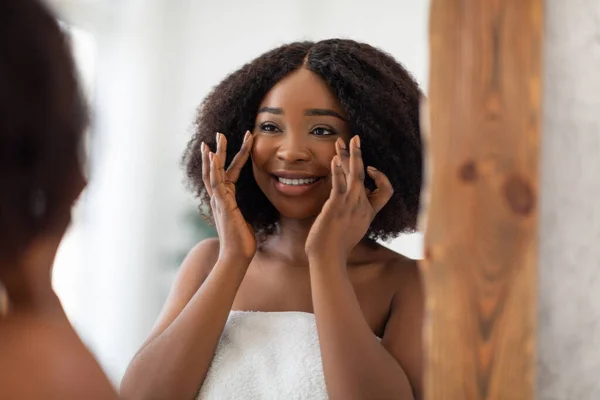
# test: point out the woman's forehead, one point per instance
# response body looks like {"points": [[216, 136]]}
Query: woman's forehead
{"points": [[300, 90]]}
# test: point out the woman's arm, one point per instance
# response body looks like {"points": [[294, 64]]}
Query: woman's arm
{"points": [[355, 363], [173, 362]]}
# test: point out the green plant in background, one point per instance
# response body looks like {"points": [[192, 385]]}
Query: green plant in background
{"points": [[198, 229]]}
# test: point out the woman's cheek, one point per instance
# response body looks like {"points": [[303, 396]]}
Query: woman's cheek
{"points": [[261, 149]]}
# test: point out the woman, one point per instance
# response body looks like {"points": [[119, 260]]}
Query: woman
{"points": [[42, 120], [296, 265]]}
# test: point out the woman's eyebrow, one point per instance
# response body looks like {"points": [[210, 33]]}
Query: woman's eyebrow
{"points": [[271, 110], [309, 112], [323, 111]]}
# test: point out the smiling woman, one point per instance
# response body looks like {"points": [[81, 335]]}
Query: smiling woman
{"points": [[329, 161], [374, 95]]}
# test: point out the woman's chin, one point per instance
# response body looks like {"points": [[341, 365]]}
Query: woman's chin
{"points": [[297, 213]]}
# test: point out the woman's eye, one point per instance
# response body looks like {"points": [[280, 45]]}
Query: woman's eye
{"points": [[323, 131], [266, 127]]}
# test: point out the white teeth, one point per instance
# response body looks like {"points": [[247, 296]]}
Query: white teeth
{"points": [[297, 182]]}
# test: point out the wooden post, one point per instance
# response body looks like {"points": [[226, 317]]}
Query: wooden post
{"points": [[481, 198]]}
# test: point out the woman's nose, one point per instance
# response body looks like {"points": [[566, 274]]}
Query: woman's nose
{"points": [[293, 149]]}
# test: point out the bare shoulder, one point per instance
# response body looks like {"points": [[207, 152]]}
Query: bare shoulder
{"points": [[402, 270], [191, 275], [47, 351], [406, 275], [204, 252], [406, 270], [194, 270], [202, 257], [403, 332]]}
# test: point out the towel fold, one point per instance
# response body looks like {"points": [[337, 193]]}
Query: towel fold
{"points": [[267, 355]]}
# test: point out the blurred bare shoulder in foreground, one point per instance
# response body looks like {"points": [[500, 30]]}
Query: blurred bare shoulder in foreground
{"points": [[42, 121]]}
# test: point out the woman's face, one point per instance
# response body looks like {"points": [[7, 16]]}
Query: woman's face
{"points": [[297, 125]]}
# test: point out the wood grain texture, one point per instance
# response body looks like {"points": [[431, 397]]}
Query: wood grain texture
{"points": [[480, 199]]}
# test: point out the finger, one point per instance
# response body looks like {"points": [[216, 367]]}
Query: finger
{"points": [[342, 151], [206, 168], [240, 159], [339, 186], [357, 168], [383, 192], [221, 153], [216, 180], [215, 212]]}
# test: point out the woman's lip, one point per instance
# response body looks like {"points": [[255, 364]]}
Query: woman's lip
{"points": [[294, 175], [295, 190]]}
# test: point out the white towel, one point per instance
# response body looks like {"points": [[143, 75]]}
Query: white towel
{"points": [[267, 355]]}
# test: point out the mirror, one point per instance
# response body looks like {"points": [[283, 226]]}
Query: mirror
{"points": [[147, 67]]}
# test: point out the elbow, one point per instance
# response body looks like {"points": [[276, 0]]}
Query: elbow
{"points": [[363, 396], [132, 388], [131, 392], [127, 390], [369, 391]]}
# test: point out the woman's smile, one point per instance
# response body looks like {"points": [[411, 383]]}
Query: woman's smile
{"points": [[295, 183]]}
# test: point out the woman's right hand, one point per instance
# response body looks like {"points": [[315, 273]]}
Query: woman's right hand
{"points": [[236, 236]]}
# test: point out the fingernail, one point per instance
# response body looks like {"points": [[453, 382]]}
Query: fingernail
{"points": [[218, 136], [371, 169], [247, 136], [203, 147], [357, 141], [342, 144]]}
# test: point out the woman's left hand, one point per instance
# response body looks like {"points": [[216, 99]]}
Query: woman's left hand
{"points": [[351, 207]]}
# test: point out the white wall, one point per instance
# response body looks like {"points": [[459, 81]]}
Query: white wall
{"points": [[569, 272], [157, 59]]}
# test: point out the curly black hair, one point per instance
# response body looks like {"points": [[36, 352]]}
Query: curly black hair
{"points": [[42, 120], [379, 96]]}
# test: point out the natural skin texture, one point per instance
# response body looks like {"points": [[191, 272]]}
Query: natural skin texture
{"points": [[238, 236], [357, 289], [175, 342], [348, 212], [356, 365]]}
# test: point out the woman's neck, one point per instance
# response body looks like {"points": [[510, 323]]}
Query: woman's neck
{"points": [[289, 240], [28, 281]]}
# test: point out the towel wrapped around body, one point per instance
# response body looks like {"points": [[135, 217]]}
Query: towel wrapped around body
{"points": [[267, 355]]}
